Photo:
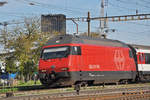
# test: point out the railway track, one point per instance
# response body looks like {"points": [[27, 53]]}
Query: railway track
{"points": [[133, 93], [41, 87]]}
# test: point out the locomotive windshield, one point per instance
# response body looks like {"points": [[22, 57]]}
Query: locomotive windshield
{"points": [[57, 52]]}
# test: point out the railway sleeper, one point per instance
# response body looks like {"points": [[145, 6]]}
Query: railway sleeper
{"points": [[9, 94]]}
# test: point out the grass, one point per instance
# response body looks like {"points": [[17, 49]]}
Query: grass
{"points": [[20, 83], [29, 83], [8, 90]]}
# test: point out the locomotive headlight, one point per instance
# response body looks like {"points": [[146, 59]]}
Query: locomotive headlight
{"points": [[43, 71], [65, 69]]}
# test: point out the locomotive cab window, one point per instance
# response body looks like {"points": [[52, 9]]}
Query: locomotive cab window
{"points": [[75, 50], [55, 52]]}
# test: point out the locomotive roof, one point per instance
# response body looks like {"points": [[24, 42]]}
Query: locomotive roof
{"points": [[141, 46], [65, 39]]}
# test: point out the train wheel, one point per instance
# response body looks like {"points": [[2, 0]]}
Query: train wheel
{"points": [[44, 82]]}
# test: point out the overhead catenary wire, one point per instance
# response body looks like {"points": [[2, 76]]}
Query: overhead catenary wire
{"points": [[69, 7], [43, 5], [147, 2], [122, 7], [140, 24], [131, 36], [131, 2]]}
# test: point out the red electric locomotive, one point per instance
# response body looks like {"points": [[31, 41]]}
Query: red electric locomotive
{"points": [[70, 59]]}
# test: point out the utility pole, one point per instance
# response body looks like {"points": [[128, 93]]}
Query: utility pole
{"points": [[5, 33], [103, 23], [88, 20], [5, 26], [101, 26], [77, 30]]}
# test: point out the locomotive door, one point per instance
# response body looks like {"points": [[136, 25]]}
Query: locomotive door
{"points": [[79, 66], [80, 63], [77, 60]]}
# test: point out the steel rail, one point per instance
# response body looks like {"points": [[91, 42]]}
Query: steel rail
{"points": [[108, 94]]}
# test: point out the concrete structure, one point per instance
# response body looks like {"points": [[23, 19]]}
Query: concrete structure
{"points": [[53, 23]]}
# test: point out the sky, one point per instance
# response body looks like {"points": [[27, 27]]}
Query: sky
{"points": [[133, 32]]}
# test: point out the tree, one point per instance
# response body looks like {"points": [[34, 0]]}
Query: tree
{"points": [[10, 65], [25, 41]]}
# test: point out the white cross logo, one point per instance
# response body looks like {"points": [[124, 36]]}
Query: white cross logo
{"points": [[119, 59]]}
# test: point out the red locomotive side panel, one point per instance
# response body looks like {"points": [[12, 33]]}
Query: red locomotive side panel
{"points": [[93, 58], [101, 58]]}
